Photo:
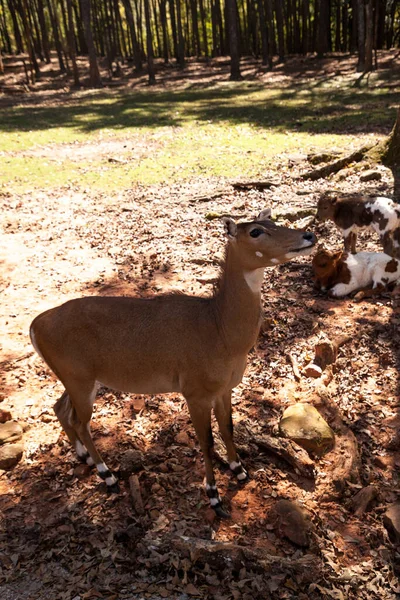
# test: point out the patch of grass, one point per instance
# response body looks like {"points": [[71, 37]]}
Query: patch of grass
{"points": [[229, 130]]}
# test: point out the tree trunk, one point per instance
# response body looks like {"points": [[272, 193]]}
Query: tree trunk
{"points": [[71, 44], [181, 39], [323, 29], [369, 36], [149, 43], [361, 36], [94, 73], [279, 25], [7, 39], [233, 39], [164, 27], [203, 27], [137, 55], [17, 32], [391, 154], [57, 41]]}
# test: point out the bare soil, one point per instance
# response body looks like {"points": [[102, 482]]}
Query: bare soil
{"points": [[63, 537]]}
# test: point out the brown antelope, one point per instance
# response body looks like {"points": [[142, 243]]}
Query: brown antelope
{"points": [[170, 343]]}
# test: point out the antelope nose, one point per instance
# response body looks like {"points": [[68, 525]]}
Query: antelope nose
{"points": [[310, 237]]}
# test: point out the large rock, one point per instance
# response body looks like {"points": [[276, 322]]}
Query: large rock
{"points": [[303, 424], [10, 455], [10, 432]]}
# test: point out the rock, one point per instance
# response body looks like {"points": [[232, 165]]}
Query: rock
{"points": [[5, 415], [312, 370], [362, 499], [182, 438], [293, 522], [10, 432], [10, 455], [131, 462], [303, 424], [391, 520], [82, 471], [371, 175]]}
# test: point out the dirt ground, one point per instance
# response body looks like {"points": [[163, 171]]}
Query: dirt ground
{"points": [[62, 537]]}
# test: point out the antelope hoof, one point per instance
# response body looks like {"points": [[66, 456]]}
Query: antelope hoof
{"points": [[114, 488], [221, 513]]}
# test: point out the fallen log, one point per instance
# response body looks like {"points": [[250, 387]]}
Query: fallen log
{"points": [[290, 452], [337, 165], [233, 556]]}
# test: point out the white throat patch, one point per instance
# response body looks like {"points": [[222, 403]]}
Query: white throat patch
{"points": [[254, 279]]}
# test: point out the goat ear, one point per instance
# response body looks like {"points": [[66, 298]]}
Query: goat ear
{"points": [[264, 214], [337, 254], [230, 227]]}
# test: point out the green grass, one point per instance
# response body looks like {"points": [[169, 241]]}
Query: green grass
{"points": [[230, 130]]}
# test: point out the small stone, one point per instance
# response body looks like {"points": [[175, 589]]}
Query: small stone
{"points": [[371, 175], [312, 370], [10, 432], [182, 438], [82, 471], [10, 455], [303, 424]]}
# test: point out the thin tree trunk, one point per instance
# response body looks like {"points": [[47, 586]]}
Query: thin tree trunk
{"points": [[279, 25], [149, 43], [57, 41], [323, 30], [17, 32], [233, 40], [94, 73], [137, 55], [71, 44], [369, 36], [181, 39], [361, 36], [203, 28]]}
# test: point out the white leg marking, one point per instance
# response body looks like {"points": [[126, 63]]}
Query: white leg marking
{"points": [[233, 465], [102, 468], [215, 501], [80, 449], [242, 475]]}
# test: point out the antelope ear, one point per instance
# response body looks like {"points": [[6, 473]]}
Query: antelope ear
{"points": [[230, 227], [264, 214]]}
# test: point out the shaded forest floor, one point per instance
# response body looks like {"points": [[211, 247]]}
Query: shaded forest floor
{"points": [[63, 537]]}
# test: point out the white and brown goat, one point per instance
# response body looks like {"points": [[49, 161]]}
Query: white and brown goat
{"points": [[173, 343], [341, 273], [353, 212]]}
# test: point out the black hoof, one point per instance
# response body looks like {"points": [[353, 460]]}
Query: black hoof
{"points": [[221, 513], [114, 488]]}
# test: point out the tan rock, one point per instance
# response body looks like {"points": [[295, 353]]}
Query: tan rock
{"points": [[303, 424], [10, 455], [10, 432], [391, 520]]}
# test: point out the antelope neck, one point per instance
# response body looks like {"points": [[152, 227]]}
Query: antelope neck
{"points": [[238, 303]]}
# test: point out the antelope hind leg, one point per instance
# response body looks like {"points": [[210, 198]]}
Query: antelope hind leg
{"points": [[64, 413], [74, 413]]}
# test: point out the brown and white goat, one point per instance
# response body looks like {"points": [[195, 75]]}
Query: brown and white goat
{"points": [[351, 213], [341, 273], [174, 343]]}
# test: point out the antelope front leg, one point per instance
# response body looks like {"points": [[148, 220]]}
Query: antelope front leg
{"points": [[200, 413], [223, 413]]}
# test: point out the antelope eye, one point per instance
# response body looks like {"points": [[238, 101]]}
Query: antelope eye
{"points": [[256, 232]]}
